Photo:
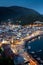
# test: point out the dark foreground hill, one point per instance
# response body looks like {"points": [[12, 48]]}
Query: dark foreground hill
{"points": [[19, 15]]}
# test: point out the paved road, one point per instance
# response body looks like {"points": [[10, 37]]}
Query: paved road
{"points": [[18, 48]]}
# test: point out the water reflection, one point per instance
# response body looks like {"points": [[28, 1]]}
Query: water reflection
{"points": [[35, 48]]}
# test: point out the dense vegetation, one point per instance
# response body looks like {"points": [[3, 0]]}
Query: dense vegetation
{"points": [[5, 60], [19, 15]]}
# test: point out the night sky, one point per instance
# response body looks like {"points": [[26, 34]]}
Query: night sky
{"points": [[33, 4]]}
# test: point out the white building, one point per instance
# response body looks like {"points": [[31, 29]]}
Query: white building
{"points": [[38, 22]]}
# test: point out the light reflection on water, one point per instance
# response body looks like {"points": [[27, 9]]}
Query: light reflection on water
{"points": [[35, 48]]}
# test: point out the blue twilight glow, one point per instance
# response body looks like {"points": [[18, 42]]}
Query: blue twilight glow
{"points": [[34, 4]]}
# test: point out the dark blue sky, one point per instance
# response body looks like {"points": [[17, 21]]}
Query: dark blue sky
{"points": [[34, 4]]}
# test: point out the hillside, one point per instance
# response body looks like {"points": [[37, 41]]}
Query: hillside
{"points": [[19, 15]]}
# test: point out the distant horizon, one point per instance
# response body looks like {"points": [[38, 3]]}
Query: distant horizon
{"points": [[32, 4]]}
